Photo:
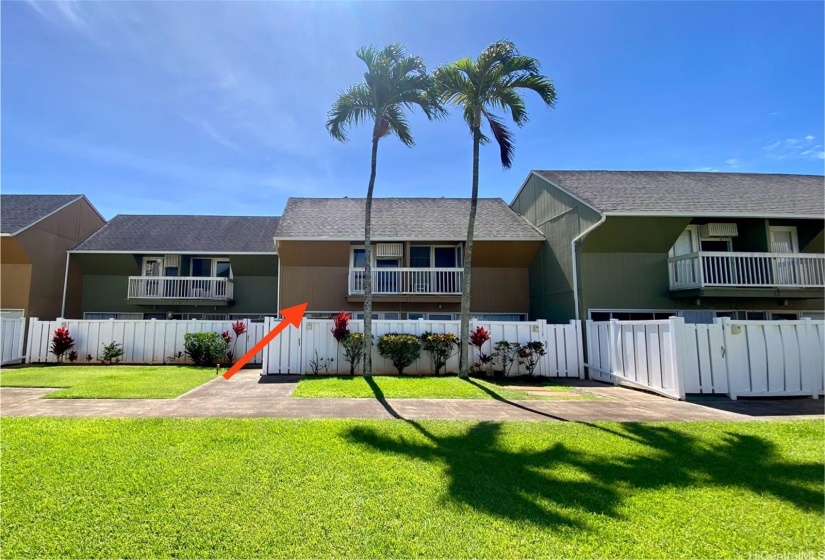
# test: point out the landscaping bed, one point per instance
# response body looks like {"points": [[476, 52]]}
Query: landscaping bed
{"points": [[447, 387], [109, 382], [237, 488]]}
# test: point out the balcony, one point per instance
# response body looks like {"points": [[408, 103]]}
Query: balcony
{"points": [[746, 270], [408, 281], [171, 289]]}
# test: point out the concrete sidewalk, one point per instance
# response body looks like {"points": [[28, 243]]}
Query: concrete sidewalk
{"points": [[247, 395]]}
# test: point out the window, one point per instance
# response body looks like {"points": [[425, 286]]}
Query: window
{"points": [[392, 316], [201, 268], [152, 266], [498, 317], [358, 258], [222, 269], [440, 316], [755, 316], [784, 239], [420, 256], [784, 316], [120, 316], [12, 313], [415, 316]]}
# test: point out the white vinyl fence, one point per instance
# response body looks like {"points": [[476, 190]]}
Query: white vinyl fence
{"points": [[737, 358], [292, 351], [12, 339], [144, 342]]}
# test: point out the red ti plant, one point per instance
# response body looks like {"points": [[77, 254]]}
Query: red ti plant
{"points": [[477, 338], [239, 328], [227, 338], [340, 330], [61, 343], [73, 356]]}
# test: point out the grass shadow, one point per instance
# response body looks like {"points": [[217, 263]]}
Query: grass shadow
{"points": [[547, 486], [495, 396]]}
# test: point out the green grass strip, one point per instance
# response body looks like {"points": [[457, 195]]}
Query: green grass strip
{"points": [[109, 382], [409, 387]]}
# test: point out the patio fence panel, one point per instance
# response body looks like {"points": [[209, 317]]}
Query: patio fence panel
{"points": [[12, 339]]}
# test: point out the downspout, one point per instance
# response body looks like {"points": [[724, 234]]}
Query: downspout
{"points": [[579, 238], [65, 285]]}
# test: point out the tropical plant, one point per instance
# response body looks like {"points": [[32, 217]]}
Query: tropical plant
{"points": [[492, 81], [112, 353], [73, 356], [61, 343], [239, 328], [440, 347], [530, 354], [394, 82], [401, 349], [477, 339], [205, 348], [353, 345], [339, 330], [507, 354]]}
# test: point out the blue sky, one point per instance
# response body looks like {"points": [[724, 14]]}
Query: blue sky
{"points": [[219, 108]]}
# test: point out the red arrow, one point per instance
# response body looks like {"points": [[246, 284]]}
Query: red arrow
{"points": [[292, 316]]}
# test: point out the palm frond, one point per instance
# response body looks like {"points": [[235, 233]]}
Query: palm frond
{"points": [[504, 137], [353, 107], [399, 125]]}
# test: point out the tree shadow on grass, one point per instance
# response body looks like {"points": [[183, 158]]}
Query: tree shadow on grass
{"points": [[551, 486]]}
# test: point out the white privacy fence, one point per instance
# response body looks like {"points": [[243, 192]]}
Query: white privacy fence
{"points": [[292, 351], [12, 339], [144, 342], [737, 358]]}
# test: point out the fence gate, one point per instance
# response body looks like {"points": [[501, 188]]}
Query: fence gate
{"points": [[705, 368], [12, 337], [283, 354]]}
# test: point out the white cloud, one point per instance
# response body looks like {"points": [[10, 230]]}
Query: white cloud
{"points": [[810, 138], [706, 169], [794, 148], [733, 162]]}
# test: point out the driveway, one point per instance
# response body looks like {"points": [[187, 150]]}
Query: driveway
{"points": [[248, 395]]}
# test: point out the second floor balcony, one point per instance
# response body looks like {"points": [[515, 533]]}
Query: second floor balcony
{"points": [[722, 269], [153, 289], [408, 281]]}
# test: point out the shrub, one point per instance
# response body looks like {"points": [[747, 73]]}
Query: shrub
{"points": [[353, 345], [401, 349], [440, 347], [111, 353], [507, 354], [340, 328], [317, 365], [61, 343], [239, 328], [205, 348], [529, 355], [73, 356]]}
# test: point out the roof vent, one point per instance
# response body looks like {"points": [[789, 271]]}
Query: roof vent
{"points": [[713, 231]]}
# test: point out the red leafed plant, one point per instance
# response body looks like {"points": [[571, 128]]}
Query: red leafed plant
{"points": [[239, 328], [73, 356], [477, 338], [226, 337], [61, 343], [340, 331], [340, 327]]}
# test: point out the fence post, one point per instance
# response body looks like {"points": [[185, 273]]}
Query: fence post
{"points": [[725, 322], [810, 344], [29, 338], [613, 354], [677, 338], [577, 327]]}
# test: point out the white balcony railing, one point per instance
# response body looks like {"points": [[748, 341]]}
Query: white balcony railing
{"points": [[746, 270], [432, 281], [176, 287]]}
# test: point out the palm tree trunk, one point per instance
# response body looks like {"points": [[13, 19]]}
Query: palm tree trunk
{"points": [[368, 263], [464, 357]]}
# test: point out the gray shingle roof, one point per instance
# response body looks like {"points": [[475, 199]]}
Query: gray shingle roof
{"points": [[752, 194], [424, 219], [169, 234], [19, 211]]}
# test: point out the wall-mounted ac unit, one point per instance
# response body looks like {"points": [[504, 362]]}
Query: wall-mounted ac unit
{"points": [[712, 231], [389, 250], [171, 260]]}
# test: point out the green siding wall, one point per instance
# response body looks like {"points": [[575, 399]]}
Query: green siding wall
{"points": [[105, 284], [561, 218]]}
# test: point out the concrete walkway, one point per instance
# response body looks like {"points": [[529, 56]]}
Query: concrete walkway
{"points": [[247, 395]]}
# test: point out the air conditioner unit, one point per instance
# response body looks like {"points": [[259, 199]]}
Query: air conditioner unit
{"points": [[713, 231], [389, 250]]}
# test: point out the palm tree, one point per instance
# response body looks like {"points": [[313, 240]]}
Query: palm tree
{"points": [[479, 86], [394, 81]]}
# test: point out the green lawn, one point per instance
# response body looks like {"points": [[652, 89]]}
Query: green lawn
{"points": [[109, 382], [395, 387], [221, 488]]}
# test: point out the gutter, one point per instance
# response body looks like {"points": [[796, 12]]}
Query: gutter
{"points": [[578, 239], [65, 286]]}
